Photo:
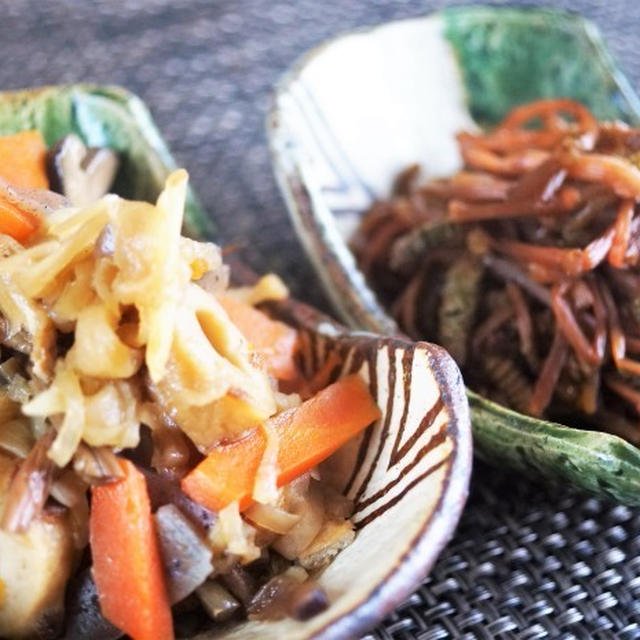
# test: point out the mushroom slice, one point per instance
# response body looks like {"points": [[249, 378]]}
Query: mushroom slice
{"points": [[82, 174]]}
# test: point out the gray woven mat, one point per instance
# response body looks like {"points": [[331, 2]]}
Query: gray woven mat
{"points": [[526, 563]]}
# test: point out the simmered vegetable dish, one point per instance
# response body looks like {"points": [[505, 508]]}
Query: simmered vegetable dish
{"points": [[525, 264], [159, 444]]}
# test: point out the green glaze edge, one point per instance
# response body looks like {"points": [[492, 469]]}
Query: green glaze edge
{"points": [[509, 56], [104, 116], [597, 462]]}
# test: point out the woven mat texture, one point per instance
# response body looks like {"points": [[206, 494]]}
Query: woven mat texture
{"points": [[526, 562]]}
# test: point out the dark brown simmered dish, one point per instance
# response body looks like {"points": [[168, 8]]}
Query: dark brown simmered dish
{"points": [[524, 265]]}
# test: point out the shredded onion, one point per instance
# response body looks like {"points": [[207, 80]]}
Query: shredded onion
{"points": [[265, 489], [307, 503], [271, 518], [96, 465], [234, 536]]}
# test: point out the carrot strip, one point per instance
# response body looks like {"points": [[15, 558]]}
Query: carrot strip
{"points": [[507, 140], [379, 241], [22, 164], [549, 375], [509, 271], [508, 165], [621, 234], [306, 436], [599, 340], [15, 222], [405, 305], [524, 323], [633, 343], [542, 274], [380, 213], [588, 397], [627, 365], [23, 160], [617, 173], [565, 201], [466, 185], [570, 328], [542, 183], [617, 338], [547, 110], [492, 323], [405, 182], [572, 261], [624, 390], [276, 342], [126, 559]]}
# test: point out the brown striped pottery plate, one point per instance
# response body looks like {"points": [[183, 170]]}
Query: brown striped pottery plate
{"points": [[408, 474]]}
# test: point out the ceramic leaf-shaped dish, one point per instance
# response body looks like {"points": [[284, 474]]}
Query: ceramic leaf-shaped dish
{"points": [[353, 113], [103, 116], [408, 475]]}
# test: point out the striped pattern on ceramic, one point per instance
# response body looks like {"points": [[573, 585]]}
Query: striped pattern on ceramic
{"points": [[411, 441]]}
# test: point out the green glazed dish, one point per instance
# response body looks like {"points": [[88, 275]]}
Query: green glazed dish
{"points": [[510, 56], [354, 112], [103, 117]]}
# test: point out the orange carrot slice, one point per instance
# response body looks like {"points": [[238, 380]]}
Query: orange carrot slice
{"points": [[15, 222], [23, 160], [126, 559], [22, 164], [276, 342], [307, 435]]}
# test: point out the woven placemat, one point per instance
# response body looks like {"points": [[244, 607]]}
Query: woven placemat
{"points": [[526, 562]]}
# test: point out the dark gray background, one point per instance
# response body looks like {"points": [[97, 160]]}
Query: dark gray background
{"points": [[526, 562]]}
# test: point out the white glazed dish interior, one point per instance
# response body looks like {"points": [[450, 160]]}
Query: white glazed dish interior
{"points": [[346, 119]]}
